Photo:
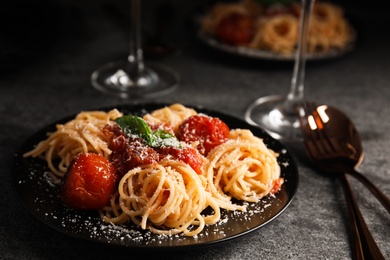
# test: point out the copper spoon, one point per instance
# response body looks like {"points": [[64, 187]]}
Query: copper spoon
{"points": [[343, 152], [330, 139]]}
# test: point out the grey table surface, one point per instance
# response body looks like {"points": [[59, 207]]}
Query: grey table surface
{"points": [[50, 49]]}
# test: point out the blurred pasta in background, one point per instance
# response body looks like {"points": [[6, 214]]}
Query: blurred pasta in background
{"points": [[274, 27]]}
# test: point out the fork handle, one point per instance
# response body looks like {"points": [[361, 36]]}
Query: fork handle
{"points": [[365, 246], [383, 199]]}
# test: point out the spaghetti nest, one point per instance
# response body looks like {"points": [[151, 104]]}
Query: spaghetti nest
{"points": [[242, 168], [276, 26], [167, 198], [329, 29], [278, 34]]}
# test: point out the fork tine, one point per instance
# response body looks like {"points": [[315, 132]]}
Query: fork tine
{"points": [[329, 145], [316, 140], [315, 133], [320, 145], [307, 119], [305, 111]]}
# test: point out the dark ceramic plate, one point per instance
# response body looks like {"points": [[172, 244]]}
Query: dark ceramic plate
{"points": [[40, 197]]}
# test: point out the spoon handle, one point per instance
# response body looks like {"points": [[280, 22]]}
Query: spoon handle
{"points": [[357, 243], [365, 246], [383, 199]]}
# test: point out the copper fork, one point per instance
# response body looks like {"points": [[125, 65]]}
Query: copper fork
{"points": [[318, 145]]}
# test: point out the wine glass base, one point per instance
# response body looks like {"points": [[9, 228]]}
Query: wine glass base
{"points": [[271, 114], [156, 79]]}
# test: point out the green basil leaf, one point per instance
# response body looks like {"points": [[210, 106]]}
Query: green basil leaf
{"points": [[135, 126]]}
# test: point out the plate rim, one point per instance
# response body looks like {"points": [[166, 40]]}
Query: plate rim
{"points": [[246, 52]]}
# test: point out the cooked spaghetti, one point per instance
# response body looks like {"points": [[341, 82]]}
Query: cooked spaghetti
{"points": [[169, 195], [242, 168], [163, 189], [173, 115], [329, 29], [80, 135], [278, 34]]}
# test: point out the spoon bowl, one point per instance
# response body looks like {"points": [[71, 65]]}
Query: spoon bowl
{"points": [[339, 148], [344, 136], [333, 143]]}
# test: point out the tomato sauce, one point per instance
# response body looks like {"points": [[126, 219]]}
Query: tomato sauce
{"points": [[130, 152]]}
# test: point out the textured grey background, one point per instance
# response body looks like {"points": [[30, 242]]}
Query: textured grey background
{"points": [[50, 49]]}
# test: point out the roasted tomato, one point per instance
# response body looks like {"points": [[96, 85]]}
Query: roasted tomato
{"points": [[89, 182], [236, 29], [208, 131]]}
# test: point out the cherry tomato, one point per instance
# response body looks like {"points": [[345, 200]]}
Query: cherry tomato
{"points": [[89, 182], [209, 131], [236, 29]]}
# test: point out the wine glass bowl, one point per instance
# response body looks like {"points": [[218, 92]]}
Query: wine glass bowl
{"points": [[277, 115], [133, 78]]}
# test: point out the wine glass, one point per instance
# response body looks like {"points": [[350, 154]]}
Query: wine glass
{"points": [[133, 77], [278, 114]]}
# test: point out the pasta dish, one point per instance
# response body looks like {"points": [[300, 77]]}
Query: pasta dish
{"points": [[159, 171], [274, 28]]}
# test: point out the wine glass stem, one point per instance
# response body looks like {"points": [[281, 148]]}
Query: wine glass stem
{"points": [[296, 94], [135, 57]]}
